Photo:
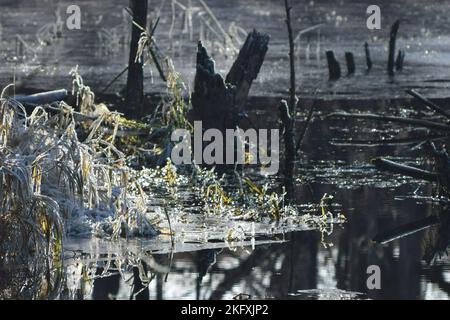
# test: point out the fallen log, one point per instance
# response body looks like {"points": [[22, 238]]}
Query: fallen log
{"points": [[394, 167], [43, 97], [428, 103], [375, 117]]}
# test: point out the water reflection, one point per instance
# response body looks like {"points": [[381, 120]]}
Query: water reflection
{"points": [[301, 267], [413, 266]]}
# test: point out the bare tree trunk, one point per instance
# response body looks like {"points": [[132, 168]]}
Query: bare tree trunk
{"points": [[134, 97]]}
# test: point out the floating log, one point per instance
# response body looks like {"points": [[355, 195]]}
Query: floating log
{"points": [[350, 63], [428, 103], [394, 167], [368, 58], [333, 66], [43, 97], [392, 40], [376, 117]]}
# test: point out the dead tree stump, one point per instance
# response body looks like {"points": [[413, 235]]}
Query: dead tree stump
{"points": [[350, 63], [217, 102], [333, 66]]}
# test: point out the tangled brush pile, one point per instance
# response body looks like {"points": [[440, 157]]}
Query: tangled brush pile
{"points": [[52, 184]]}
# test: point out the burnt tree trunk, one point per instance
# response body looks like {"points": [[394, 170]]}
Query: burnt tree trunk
{"points": [[134, 95], [217, 102]]}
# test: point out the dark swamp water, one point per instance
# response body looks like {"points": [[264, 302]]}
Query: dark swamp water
{"points": [[290, 265]]}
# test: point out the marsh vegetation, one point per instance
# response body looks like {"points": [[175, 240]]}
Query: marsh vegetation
{"points": [[93, 207]]}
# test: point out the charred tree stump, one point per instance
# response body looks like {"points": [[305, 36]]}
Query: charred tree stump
{"points": [[368, 58], [392, 40], [217, 102], [247, 66], [399, 61], [212, 98], [350, 63], [333, 66], [134, 95]]}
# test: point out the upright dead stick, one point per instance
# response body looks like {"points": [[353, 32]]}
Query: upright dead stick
{"points": [[392, 40], [292, 95], [134, 98], [368, 58]]}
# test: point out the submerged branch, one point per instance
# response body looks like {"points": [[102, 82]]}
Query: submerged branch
{"points": [[429, 103], [394, 167], [406, 230], [376, 117]]}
